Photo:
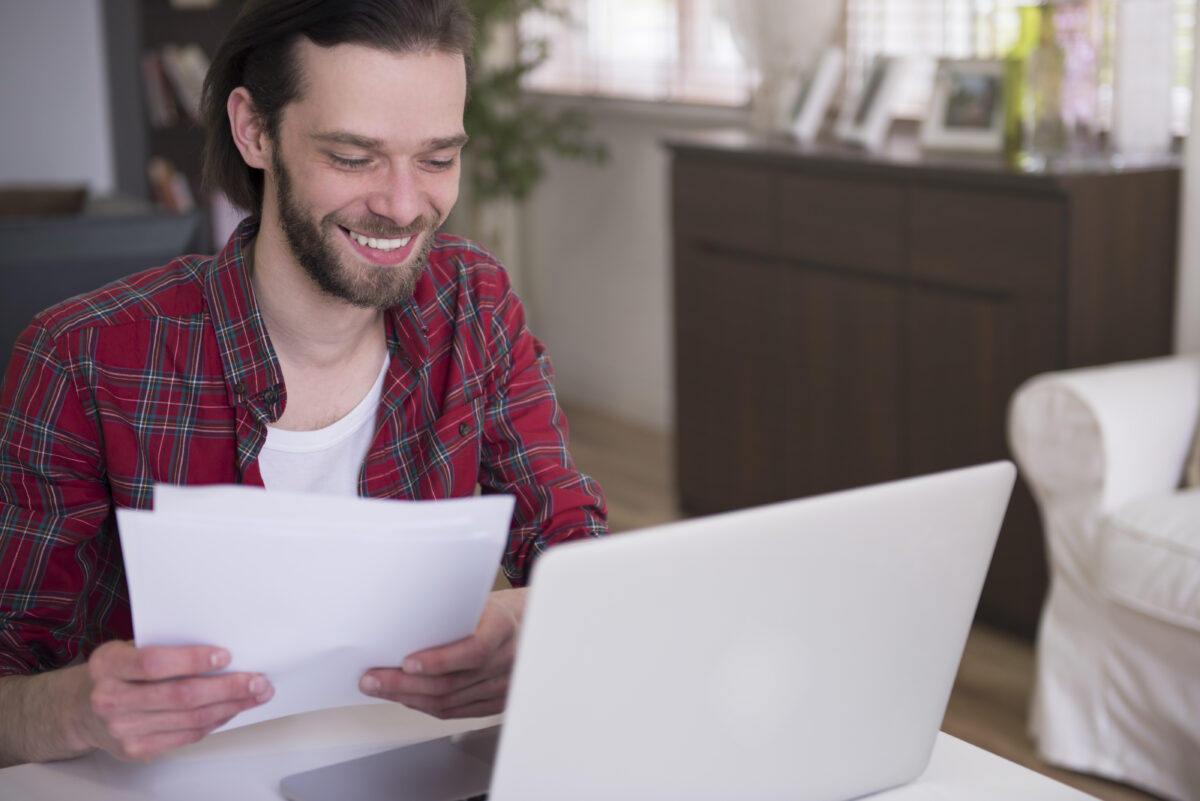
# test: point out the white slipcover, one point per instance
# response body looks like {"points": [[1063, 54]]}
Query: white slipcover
{"points": [[1118, 647]]}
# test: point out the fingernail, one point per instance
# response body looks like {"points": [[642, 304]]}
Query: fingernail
{"points": [[265, 695], [219, 659], [369, 685], [257, 685], [412, 666]]}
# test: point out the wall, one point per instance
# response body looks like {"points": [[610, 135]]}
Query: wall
{"points": [[1187, 306], [596, 271], [54, 118]]}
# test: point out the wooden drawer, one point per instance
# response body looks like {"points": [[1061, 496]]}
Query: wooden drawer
{"points": [[724, 204], [842, 222], [987, 240]]}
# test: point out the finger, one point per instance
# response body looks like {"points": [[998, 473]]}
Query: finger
{"points": [[489, 691], [140, 726], [148, 748], [123, 660], [467, 654], [392, 684], [488, 645], [111, 697], [475, 709]]}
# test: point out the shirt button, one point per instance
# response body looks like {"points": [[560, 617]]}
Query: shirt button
{"points": [[270, 396], [240, 388], [464, 429]]}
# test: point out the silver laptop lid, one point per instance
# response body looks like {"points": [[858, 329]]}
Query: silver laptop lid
{"points": [[804, 650]]}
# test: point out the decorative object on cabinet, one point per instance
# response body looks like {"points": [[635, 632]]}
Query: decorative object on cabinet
{"points": [[967, 109], [782, 40], [816, 94], [844, 318], [1044, 132], [1143, 76], [867, 118]]}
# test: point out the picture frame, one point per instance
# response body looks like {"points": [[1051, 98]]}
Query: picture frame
{"points": [[967, 108], [865, 121], [816, 94]]}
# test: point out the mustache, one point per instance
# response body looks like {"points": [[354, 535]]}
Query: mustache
{"points": [[383, 228]]}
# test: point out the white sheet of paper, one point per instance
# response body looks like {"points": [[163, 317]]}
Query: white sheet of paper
{"points": [[309, 590]]}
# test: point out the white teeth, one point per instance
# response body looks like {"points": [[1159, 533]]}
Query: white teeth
{"points": [[379, 244]]}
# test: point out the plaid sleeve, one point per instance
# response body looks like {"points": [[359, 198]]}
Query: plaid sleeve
{"points": [[524, 449], [59, 560]]}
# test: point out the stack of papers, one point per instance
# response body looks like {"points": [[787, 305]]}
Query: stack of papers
{"points": [[309, 590]]}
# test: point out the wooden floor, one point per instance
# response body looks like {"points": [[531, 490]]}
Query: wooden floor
{"points": [[991, 694]]}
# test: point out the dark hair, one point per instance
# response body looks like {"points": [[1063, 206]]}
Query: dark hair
{"points": [[259, 53]]}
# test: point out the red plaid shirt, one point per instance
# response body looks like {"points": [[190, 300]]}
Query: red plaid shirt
{"points": [[168, 376]]}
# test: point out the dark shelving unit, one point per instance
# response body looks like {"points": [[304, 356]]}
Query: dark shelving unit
{"points": [[132, 27]]}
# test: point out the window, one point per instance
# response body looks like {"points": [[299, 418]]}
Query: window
{"points": [[928, 29], [682, 50], [663, 50]]}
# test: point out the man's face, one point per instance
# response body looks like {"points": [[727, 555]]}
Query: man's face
{"points": [[366, 166]]}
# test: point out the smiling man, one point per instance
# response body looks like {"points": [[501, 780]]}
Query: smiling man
{"points": [[338, 343]]}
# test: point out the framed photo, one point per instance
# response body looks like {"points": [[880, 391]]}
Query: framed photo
{"points": [[967, 112], [866, 120], [816, 94]]}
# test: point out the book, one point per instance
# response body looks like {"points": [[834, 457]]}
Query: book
{"points": [[160, 106], [185, 67], [170, 187]]}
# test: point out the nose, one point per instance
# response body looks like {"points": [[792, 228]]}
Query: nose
{"points": [[398, 195]]}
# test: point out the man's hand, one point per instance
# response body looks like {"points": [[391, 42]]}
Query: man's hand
{"points": [[465, 679], [139, 703]]}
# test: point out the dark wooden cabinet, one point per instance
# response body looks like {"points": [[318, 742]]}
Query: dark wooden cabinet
{"points": [[843, 319]]}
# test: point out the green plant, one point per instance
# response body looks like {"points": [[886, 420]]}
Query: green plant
{"points": [[511, 134]]}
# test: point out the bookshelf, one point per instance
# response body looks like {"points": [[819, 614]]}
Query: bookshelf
{"points": [[134, 28]]}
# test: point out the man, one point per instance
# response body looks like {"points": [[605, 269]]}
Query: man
{"points": [[337, 343]]}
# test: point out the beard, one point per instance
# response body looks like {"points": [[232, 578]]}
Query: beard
{"points": [[313, 245]]}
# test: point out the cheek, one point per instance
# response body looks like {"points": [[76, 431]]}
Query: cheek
{"points": [[332, 194], [445, 194]]}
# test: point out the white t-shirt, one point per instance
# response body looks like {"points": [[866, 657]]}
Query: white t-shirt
{"points": [[325, 461]]}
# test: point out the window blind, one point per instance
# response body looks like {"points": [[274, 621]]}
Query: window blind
{"points": [[682, 51], [925, 30], [663, 50]]}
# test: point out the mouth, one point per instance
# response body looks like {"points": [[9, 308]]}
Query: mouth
{"points": [[382, 245], [383, 251]]}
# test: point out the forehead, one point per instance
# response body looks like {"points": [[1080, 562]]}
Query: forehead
{"points": [[396, 98]]}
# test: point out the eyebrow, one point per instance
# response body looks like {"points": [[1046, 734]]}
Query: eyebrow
{"points": [[368, 143]]}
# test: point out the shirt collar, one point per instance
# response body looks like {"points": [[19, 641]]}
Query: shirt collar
{"points": [[251, 368]]}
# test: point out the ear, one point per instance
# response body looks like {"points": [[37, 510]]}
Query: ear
{"points": [[248, 133]]}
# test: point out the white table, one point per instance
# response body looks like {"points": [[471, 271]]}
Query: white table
{"points": [[246, 764]]}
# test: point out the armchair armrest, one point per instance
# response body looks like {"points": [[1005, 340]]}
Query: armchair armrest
{"points": [[1090, 440], [1123, 429]]}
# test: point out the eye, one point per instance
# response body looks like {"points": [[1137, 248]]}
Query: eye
{"points": [[441, 164], [349, 164]]}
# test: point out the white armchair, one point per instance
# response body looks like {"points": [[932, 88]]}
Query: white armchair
{"points": [[1118, 647]]}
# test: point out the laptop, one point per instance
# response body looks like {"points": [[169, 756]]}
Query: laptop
{"points": [[803, 650]]}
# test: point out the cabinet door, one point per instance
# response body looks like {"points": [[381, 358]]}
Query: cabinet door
{"points": [[845, 222], [841, 359], [728, 205], [730, 404], [967, 353], [989, 241]]}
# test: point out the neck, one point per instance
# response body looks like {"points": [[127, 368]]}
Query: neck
{"points": [[308, 328]]}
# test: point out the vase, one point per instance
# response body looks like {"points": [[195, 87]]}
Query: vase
{"points": [[783, 41], [1043, 128]]}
